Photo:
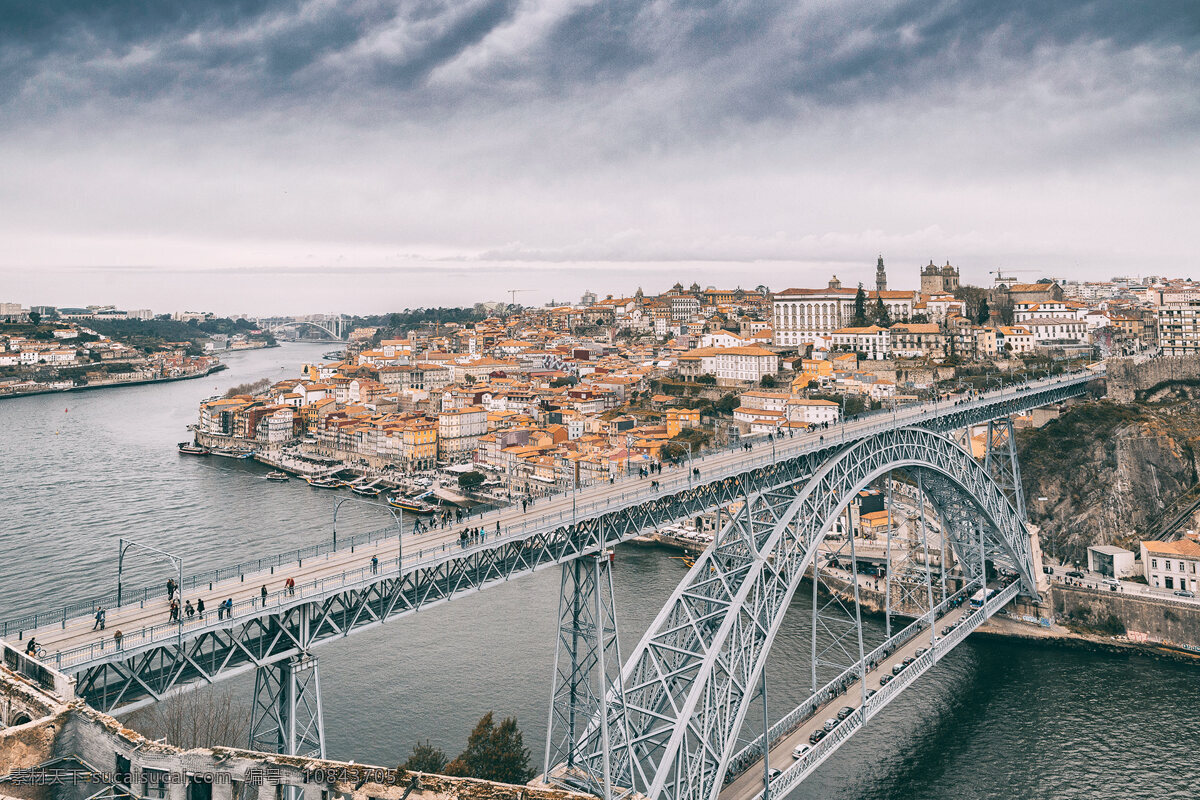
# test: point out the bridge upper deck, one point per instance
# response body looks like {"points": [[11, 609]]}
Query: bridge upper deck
{"points": [[71, 644]]}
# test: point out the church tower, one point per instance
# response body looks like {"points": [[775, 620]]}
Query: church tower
{"points": [[880, 276]]}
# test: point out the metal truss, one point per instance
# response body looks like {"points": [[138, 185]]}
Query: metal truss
{"points": [[1001, 462], [587, 671], [688, 685], [286, 716], [139, 674]]}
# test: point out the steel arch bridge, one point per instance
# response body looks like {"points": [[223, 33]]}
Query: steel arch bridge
{"points": [[336, 331], [671, 718], [665, 724]]}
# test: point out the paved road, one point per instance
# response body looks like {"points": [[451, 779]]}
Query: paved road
{"points": [[750, 783], [1094, 580], [131, 619]]}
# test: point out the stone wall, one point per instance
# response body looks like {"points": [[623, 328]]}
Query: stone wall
{"points": [[1128, 377], [1145, 619]]}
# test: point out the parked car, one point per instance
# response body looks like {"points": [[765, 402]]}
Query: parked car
{"points": [[816, 736], [883, 679], [1047, 569], [920, 652], [830, 724], [800, 750], [1184, 593], [1075, 574], [1112, 584], [773, 773], [898, 668], [946, 629], [871, 693], [908, 661], [844, 712]]}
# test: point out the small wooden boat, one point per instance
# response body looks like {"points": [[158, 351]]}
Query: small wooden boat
{"points": [[278, 477], [324, 483], [192, 449], [410, 504]]}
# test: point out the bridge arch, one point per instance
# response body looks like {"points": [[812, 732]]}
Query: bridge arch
{"points": [[687, 687], [281, 326]]}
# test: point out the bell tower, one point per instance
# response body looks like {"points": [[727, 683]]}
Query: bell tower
{"points": [[880, 276]]}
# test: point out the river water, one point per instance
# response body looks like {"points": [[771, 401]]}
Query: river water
{"points": [[996, 719]]}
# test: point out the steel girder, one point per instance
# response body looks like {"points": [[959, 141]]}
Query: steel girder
{"points": [[688, 685], [134, 677], [286, 716]]}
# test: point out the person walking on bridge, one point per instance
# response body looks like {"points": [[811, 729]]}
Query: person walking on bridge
{"points": [[200, 607], [263, 592], [99, 625], [228, 608], [290, 585], [117, 636], [171, 587], [188, 609], [174, 611], [374, 565]]}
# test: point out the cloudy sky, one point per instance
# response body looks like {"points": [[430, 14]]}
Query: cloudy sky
{"points": [[364, 156]]}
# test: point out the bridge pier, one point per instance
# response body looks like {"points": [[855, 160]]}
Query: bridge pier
{"points": [[286, 716], [587, 676]]}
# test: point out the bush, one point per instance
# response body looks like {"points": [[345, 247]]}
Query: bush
{"points": [[470, 480], [425, 758]]}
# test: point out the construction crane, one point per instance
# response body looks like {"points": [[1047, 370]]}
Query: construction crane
{"points": [[513, 292]]}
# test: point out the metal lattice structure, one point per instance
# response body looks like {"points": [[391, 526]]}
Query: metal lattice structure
{"points": [[673, 718], [688, 686]]}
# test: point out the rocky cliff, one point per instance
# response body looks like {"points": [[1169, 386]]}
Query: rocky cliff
{"points": [[1108, 473]]}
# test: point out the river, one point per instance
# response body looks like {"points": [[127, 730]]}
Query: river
{"points": [[996, 719]]}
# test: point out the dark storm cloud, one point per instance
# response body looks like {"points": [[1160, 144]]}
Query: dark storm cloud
{"points": [[745, 59]]}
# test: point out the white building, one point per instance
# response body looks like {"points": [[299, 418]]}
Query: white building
{"points": [[743, 363], [812, 412], [1179, 328], [459, 432], [1172, 565], [872, 341], [802, 315]]}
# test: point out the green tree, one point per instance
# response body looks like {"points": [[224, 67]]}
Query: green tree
{"points": [[768, 381], [35, 317], [494, 753], [882, 318], [425, 758], [726, 404], [470, 480], [984, 312], [860, 307]]}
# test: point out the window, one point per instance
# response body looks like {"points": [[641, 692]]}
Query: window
{"points": [[156, 783]]}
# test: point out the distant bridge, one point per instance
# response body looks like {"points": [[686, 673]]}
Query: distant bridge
{"points": [[666, 722], [336, 329]]}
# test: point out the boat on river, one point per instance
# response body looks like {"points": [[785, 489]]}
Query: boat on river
{"points": [[232, 453], [410, 504], [192, 449], [324, 483], [278, 477], [366, 491]]}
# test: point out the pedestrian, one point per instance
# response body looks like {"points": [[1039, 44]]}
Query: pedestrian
{"points": [[31, 648], [99, 625], [374, 565], [189, 610], [117, 636], [290, 583], [263, 592], [171, 587], [229, 608], [174, 610], [200, 608]]}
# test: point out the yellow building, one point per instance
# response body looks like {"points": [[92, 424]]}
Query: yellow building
{"points": [[418, 444], [679, 419]]}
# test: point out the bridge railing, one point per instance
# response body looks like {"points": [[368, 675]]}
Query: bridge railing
{"points": [[671, 480], [834, 688], [784, 783]]}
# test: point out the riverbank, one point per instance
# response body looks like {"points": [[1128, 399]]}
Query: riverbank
{"points": [[113, 384], [1000, 627]]}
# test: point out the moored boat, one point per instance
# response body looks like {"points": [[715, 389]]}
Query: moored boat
{"points": [[366, 491], [324, 483], [280, 477], [192, 449], [232, 453], [410, 504]]}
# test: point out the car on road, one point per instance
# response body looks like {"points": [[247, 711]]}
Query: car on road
{"points": [[800, 750], [830, 724], [773, 773], [883, 679], [908, 660], [920, 652], [946, 630], [871, 693], [1075, 574], [1184, 593], [816, 736], [844, 712], [898, 668], [1047, 569]]}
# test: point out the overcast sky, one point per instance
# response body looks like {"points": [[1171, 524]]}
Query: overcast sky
{"points": [[268, 156]]}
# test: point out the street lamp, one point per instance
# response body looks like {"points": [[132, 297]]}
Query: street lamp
{"points": [[399, 523], [124, 544]]}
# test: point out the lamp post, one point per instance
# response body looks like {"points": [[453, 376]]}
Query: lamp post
{"points": [[124, 544], [399, 523]]}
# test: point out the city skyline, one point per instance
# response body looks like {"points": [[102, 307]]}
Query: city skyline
{"points": [[296, 156]]}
